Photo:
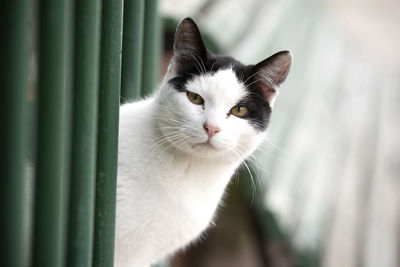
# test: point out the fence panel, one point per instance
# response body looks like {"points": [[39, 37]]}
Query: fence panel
{"points": [[84, 133], [78, 95], [13, 80], [107, 150], [151, 47], [132, 50], [55, 18]]}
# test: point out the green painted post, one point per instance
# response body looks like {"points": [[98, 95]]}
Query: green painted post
{"points": [[84, 133], [107, 150], [151, 47], [132, 50], [51, 184], [13, 81]]}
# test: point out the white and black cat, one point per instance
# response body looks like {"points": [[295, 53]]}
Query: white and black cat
{"points": [[179, 148]]}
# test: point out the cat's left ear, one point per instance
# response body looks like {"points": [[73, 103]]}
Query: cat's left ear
{"points": [[189, 47], [271, 73]]}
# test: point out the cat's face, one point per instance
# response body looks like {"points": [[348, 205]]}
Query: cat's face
{"points": [[201, 120], [213, 106]]}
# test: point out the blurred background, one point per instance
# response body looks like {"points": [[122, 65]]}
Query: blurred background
{"points": [[326, 188]]}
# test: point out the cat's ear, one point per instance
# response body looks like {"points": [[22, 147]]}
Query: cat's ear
{"points": [[188, 44], [271, 73]]}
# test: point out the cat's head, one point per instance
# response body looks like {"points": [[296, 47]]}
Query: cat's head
{"points": [[214, 106]]}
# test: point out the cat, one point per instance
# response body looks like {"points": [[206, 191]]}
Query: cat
{"points": [[179, 148]]}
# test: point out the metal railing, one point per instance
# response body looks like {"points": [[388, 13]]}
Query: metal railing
{"points": [[80, 74]]}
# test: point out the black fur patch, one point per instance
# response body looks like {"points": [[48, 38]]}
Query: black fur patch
{"points": [[259, 109]]}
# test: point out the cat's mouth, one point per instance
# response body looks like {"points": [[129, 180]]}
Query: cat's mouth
{"points": [[206, 145]]}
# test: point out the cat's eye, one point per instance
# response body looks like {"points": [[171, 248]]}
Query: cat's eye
{"points": [[239, 111], [195, 98]]}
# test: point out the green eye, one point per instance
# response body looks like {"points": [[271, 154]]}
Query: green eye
{"points": [[239, 111], [195, 98]]}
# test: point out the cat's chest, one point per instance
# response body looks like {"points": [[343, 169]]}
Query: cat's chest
{"points": [[195, 183], [192, 191], [173, 199], [177, 196]]}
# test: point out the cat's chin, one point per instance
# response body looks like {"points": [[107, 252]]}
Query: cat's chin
{"points": [[210, 150], [207, 147]]}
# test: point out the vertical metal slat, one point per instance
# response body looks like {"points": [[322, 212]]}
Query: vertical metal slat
{"points": [[13, 81], [151, 47], [109, 97], [55, 17], [132, 50], [84, 133]]}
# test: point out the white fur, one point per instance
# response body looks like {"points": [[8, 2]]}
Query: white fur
{"points": [[171, 177]]}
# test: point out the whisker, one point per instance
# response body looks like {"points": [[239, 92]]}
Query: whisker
{"points": [[251, 76], [203, 71], [253, 82], [198, 64], [165, 140], [212, 66], [274, 146], [254, 190]]}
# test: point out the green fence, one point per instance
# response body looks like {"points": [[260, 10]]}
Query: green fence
{"points": [[80, 72]]}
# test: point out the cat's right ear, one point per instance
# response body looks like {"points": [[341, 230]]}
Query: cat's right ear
{"points": [[189, 47]]}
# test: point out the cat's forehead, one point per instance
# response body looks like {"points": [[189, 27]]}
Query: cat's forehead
{"points": [[221, 87], [212, 65]]}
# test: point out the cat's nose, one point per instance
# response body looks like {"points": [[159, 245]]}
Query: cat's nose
{"points": [[210, 130]]}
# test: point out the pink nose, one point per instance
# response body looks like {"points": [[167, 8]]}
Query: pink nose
{"points": [[210, 130]]}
